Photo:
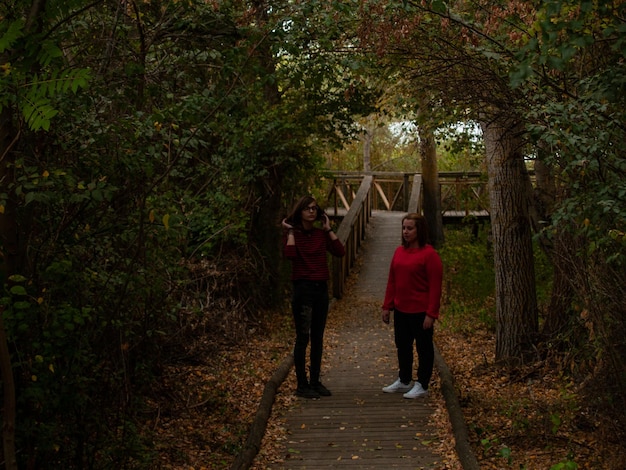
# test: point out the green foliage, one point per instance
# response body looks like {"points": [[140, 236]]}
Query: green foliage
{"points": [[582, 131], [37, 106], [35, 95], [469, 278], [392, 149], [573, 70], [11, 33], [460, 148], [564, 31], [143, 144], [84, 316], [567, 465]]}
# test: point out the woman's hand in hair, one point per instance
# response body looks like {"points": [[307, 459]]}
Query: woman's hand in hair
{"points": [[326, 224]]}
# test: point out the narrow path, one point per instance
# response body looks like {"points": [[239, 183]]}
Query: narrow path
{"points": [[360, 426]]}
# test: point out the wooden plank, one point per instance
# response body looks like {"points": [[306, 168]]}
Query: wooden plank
{"points": [[344, 201], [380, 191]]}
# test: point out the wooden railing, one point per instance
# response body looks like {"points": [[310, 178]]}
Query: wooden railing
{"points": [[463, 197], [351, 232], [462, 193], [390, 190]]}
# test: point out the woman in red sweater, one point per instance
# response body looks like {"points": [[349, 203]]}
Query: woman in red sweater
{"points": [[306, 246], [414, 294]]}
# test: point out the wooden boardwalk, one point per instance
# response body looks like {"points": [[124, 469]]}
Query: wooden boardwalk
{"points": [[360, 426]]}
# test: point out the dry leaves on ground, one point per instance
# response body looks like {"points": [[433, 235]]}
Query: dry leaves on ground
{"points": [[529, 418]]}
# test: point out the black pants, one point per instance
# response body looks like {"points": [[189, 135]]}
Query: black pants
{"points": [[408, 328], [310, 310]]}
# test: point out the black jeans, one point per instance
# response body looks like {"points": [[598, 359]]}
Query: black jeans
{"points": [[310, 310], [408, 328]]}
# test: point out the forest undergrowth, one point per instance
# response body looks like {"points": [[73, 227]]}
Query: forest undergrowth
{"points": [[536, 416]]}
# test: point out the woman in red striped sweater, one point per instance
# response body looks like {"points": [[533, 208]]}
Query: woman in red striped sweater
{"points": [[414, 294], [306, 246]]}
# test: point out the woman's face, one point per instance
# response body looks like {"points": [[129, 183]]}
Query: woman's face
{"points": [[309, 213], [409, 231]]}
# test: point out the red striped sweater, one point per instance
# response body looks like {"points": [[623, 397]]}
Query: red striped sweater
{"points": [[308, 255]]}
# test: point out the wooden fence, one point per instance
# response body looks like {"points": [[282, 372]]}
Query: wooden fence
{"points": [[352, 233], [463, 195]]}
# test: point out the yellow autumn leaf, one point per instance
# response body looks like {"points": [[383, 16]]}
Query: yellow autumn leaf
{"points": [[1, 208], [166, 221], [51, 368], [45, 174]]}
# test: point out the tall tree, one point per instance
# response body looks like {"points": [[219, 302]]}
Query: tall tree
{"points": [[430, 184], [197, 117], [264, 227], [516, 304], [575, 61], [445, 50], [311, 91]]}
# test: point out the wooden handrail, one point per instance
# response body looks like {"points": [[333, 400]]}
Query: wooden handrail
{"points": [[353, 225], [351, 233]]}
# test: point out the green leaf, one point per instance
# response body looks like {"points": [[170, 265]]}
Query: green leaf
{"points": [[11, 35], [18, 290], [22, 305], [439, 6]]}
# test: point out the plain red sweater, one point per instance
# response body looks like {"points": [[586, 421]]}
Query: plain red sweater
{"points": [[308, 255], [414, 284]]}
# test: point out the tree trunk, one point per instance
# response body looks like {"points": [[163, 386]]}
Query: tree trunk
{"points": [[368, 136], [10, 255], [430, 187], [8, 403], [516, 300], [265, 225], [559, 310]]}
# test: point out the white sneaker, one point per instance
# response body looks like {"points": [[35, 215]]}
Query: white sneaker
{"points": [[397, 386], [416, 391]]}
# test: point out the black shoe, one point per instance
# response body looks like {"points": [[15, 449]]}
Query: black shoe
{"points": [[307, 392], [321, 390]]}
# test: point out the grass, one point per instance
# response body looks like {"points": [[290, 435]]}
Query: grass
{"points": [[469, 279]]}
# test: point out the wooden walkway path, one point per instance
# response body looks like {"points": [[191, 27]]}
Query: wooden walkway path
{"points": [[360, 426]]}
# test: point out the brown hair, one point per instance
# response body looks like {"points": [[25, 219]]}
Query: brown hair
{"points": [[420, 225], [295, 217]]}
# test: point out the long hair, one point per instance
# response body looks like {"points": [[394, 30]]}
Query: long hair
{"points": [[420, 225], [295, 217]]}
